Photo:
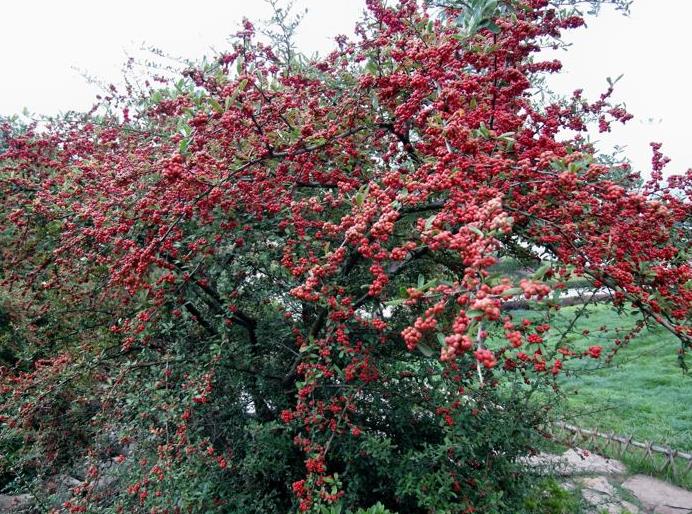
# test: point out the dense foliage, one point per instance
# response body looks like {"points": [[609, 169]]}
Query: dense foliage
{"points": [[280, 284]]}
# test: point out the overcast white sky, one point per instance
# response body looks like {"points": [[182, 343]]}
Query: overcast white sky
{"points": [[43, 41]]}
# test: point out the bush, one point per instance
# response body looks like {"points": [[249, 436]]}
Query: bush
{"points": [[276, 284]]}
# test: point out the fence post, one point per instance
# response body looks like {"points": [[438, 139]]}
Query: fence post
{"points": [[590, 437]]}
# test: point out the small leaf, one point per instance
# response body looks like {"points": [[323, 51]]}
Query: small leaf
{"points": [[215, 105], [490, 25], [540, 272], [371, 66], [429, 284], [425, 349], [476, 231], [429, 221], [483, 131], [238, 90], [513, 292]]}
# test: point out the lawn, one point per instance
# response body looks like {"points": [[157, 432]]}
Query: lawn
{"points": [[642, 393]]}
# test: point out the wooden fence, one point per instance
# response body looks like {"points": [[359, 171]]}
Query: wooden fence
{"points": [[677, 462]]}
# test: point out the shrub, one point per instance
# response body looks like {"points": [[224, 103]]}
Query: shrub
{"points": [[279, 284]]}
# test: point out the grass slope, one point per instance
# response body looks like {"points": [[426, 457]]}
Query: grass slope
{"points": [[642, 392]]}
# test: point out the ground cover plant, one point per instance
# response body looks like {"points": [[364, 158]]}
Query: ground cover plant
{"points": [[277, 284]]}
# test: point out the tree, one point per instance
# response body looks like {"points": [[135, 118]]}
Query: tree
{"points": [[282, 284]]}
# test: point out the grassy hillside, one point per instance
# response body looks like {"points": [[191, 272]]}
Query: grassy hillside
{"points": [[642, 393]]}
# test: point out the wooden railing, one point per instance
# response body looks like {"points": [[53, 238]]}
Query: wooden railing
{"points": [[679, 463]]}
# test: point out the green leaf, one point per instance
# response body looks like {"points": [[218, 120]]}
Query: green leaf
{"points": [[371, 66], [429, 284], [540, 272], [215, 105], [483, 131], [612, 82], [241, 87], [492, 27], [513, 292], [476, 231], [425, 349], [184, 128]]}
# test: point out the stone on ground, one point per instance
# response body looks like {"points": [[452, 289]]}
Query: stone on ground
{"points": [[602, 497], [577, 462], [659, 496], [15, 504]]}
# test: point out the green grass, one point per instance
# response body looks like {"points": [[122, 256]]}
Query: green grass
{"points": [[642, 393], [549, 497]]}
